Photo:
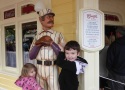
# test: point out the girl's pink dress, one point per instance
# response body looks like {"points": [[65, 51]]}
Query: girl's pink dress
{"points": [[28, 83]]}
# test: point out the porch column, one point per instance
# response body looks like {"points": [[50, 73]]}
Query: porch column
{"points": [[90, 80]]}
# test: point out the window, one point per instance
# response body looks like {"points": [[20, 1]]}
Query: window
{"points": [[10, 46], [28, 32]]}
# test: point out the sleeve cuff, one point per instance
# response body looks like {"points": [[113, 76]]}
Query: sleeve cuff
{"points": [[78, 67]]}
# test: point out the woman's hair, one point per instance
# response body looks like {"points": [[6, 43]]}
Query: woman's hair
{"points": [[26, 68], [72, 45]]}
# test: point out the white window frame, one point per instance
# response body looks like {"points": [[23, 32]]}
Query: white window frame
{"points": [[18, 20]]}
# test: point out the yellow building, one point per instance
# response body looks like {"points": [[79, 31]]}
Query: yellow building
{"points": [[18, 22]]}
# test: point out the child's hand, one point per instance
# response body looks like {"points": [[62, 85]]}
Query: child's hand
{"points": [[62, 49], [40, 88]]}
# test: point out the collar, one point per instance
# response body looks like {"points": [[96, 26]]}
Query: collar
{"points": [[50, 31]]}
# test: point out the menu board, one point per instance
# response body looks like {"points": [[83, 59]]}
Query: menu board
{"points": [[91, 30]]}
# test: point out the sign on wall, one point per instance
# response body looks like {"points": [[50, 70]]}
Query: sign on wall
{"points": [[9, 13], [110, 17], [26, 9], [91, 29]]}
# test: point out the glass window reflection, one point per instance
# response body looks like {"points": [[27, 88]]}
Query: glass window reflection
{"points": [[29, 30], [10, 45]]}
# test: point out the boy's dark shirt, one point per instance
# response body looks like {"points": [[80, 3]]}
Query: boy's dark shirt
{"points": [[68, 78]]}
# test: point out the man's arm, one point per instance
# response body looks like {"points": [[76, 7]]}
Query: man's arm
{"points": [[55, 48], [61, 40], [33, 48], [34, 51], [37, 44]]}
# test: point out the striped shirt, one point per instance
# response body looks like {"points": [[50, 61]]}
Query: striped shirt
{"points": [[47, 53]]}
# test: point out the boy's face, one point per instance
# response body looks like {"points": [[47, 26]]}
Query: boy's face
{"points": [[71, 54]]}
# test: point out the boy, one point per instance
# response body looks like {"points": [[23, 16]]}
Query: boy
{"points": [[71, 65]]}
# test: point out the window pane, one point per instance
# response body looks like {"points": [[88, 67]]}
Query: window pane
{"points": [[10, 46], [29, 31]]}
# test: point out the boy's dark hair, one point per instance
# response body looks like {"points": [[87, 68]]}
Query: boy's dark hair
{"points": [[72, 45]]}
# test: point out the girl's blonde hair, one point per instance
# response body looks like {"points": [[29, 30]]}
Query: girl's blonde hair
{"points": [[26, 68]]}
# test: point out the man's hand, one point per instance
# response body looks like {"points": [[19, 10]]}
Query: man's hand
{"points": [[45, 41]]}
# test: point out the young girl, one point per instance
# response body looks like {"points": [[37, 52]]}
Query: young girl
{"points": [[27, 80]]}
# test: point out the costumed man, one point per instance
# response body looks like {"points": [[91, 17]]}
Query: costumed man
{"points": [[43, 49]]}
